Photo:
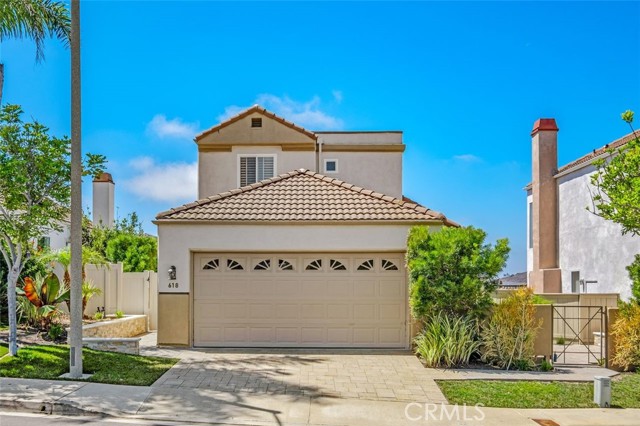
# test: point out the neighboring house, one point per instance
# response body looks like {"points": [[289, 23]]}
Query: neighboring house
{"points": [[274, 254], [571, 250], [103, 214], [513, 281]]}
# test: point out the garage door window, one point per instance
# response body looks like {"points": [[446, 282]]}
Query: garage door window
{"points": [[367, 265], [388, 265], [314, 265], [263, 265], [336, 265], [285, 265], [211, 265], [234, 265]]}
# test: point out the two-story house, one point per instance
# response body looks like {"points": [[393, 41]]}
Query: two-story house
{"points": [[570, 249], [275, 254]]}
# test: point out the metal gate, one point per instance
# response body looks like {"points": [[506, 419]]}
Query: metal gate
{"points": [[579, 335]]}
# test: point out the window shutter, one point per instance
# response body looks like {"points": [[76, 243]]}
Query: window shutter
{"points": [[255, 169]]}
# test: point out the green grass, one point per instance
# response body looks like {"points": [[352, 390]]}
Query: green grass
{"points": [[49, 362], [3, 350], [625, 393]]}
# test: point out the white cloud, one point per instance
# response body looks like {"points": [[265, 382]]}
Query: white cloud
{"points": [[467, 158], [163, 128], [337, 95], [168, 182], [306, 114]]}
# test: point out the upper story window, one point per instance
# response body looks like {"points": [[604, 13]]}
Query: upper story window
{"points": [[256, 122], [254, 168], [331, 166]]}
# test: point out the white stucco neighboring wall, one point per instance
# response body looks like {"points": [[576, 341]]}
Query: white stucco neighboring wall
{"points": [[590, 244], [179, 241], [59, 239]]}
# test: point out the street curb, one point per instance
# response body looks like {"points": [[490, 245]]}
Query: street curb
{"points": [[46, 407]]}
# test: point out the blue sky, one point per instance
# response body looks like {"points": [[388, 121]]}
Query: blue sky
{"points": [[464, 81]]}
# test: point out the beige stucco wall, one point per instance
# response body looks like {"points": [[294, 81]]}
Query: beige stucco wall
{"points": [[219, 171], [378, 171], [361, 138], [544, 338], [174, 319], [178, 241]]}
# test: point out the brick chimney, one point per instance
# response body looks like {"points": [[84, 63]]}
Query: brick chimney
{"points": [[545, 276], [103, 201]]}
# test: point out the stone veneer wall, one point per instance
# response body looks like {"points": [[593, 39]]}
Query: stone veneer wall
{"points": [[129, 326], [126, 345]]}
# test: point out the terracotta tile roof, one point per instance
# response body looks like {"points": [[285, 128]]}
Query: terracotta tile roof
{"points": [[597, 152], [302, 195], [251, 110]]}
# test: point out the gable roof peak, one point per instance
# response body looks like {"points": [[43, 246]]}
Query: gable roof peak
{"points": [[248, 111]]}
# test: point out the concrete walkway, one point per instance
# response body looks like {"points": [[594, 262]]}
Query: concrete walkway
{"points": [[209, 406]]}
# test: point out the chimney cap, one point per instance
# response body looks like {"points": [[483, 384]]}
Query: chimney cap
{"points": [[542, 124], [104, 177]]}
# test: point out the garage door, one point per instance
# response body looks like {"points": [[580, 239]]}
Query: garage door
{"points": [[304, 300]]}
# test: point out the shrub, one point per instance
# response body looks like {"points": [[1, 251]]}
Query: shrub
{"points": [[55, 331], [447, 341], [540, 300], [119, 314], [626, 331], [546, 365], [560, 341], [508, 338], [98, 316], [453, 271], [45, 293]]}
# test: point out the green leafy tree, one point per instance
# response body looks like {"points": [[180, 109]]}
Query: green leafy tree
{"points": [[453, 271], [35, 20], [34, 192], [137, 252], [617, 193]]}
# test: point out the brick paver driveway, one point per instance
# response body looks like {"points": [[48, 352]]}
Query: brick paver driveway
{"points": [[377, 375]]}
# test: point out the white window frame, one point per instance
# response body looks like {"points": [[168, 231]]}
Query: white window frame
{"points": [[275, 164], [326, 160]]}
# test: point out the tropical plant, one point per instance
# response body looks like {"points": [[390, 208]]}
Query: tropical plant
{"points": [[35, 20], [626, 332], [88, 291], [27, 313], [509, 336], [63, 258], [447, 341], [453, 271], [119, 314], [35, 193], [45, 293]]}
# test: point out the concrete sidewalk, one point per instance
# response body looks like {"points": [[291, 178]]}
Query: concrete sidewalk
{"points": [[209, 406]]}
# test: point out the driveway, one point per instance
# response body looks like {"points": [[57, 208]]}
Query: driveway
{"points": [[366, 374]]}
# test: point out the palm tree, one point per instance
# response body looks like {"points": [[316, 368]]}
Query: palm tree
{"points": [[35, 20]]}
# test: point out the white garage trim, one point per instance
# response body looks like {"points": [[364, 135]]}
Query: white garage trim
{"points": [[299, 300]]}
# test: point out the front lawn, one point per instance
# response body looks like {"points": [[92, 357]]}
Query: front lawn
{"points": [[49, 362], [625, 393], [3, 350]]}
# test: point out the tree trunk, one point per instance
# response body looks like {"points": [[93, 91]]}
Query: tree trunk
{"points": [[14, 274], [1, 81]]}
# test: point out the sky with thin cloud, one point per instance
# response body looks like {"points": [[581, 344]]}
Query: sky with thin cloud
{"points": [[464, 81]]}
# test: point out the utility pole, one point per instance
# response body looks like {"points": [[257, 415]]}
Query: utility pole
{"points": [[75, 332]]}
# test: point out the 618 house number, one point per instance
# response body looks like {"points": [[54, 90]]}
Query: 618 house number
{"points": [[173, 285]]}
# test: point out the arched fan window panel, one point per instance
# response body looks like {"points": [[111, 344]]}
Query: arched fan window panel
{"points": [[212, 265], [314, 265], [367, 265], [388, 265], [336, 265]]}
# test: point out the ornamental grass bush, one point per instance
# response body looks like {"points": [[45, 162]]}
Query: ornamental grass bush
{"points": [[508, 337], [626, 331], [447, 341]]}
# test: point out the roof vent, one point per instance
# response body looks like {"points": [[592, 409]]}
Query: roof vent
{"points": [[256, 122]]}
